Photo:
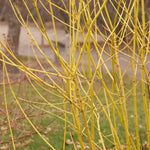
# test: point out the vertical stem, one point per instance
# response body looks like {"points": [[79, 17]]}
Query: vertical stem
{"points": [[134, 74], [84, 115], [64, 144], [143, 74], [71, 61], [5, 101], [90, 78], [122, 95]]}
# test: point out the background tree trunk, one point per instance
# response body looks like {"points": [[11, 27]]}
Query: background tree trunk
{"points": [[14, 28]]}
